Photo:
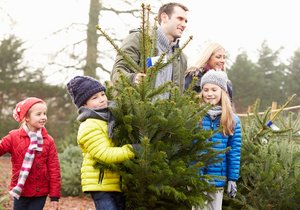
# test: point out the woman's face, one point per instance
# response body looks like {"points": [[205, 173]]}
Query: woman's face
{"points": [[211, 93], [217, 60]]}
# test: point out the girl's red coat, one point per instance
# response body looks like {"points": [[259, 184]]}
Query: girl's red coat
{"points": [[44, 177]]}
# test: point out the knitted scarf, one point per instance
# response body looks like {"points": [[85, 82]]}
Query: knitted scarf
{"points": [[214, 112], [163, 46], [36, 144], [102, 114]]}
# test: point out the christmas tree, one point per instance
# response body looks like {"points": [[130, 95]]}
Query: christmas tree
{"points": [[164, 173], [270, 162]]}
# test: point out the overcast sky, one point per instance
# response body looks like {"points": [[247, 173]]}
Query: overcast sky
{"points": [[236, 24]]}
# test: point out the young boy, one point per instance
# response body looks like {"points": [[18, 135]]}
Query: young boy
{"points": [[94, 138]]}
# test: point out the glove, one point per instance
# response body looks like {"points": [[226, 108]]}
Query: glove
{"points": [[137, 147], [231, 189]]}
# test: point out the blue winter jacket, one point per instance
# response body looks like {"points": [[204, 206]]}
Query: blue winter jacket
{"points": [[229, 167]]}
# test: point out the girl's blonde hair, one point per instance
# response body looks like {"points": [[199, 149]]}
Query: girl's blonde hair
{"points": [[205, 55], [227, 120]]}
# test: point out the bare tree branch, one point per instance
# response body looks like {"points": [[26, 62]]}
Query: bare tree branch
{"points": [[99, 65]]}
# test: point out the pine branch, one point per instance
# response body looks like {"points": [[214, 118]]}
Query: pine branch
{"points": [[264, 129], [175, 54], [154, 38], [134, 66], [159, 90], [283, 107], [144, 39]]}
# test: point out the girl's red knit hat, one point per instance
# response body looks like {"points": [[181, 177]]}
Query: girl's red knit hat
{"points": [[23, 106]]}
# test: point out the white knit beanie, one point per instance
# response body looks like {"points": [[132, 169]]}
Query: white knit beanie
{"points": [[215, 77]]}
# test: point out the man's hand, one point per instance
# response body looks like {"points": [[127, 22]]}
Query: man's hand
{"points": [[138, 78]]}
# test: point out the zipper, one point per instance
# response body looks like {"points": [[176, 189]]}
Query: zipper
{"points": [[101, 175]]}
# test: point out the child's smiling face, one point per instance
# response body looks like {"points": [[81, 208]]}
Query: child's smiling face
{"points": [[211, 93], [97, 101]]}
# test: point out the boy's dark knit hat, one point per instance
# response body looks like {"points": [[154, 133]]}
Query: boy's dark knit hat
{"points": [[81, 88], [215, 77]]}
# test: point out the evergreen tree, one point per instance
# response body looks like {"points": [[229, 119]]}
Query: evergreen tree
{"points": [[270, 164], [272, 73], [18, 81], [243, 75], [268, 80], [164, 173], [291, 81], [71, 160]]}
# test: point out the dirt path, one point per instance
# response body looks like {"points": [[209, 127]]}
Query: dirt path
{"points": [[66, 203]]}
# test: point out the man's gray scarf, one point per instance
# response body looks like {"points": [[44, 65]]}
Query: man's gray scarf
{"points": [[163, 46]]}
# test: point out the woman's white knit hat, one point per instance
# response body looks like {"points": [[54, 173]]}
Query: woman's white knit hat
{"points": [[215, 77]]}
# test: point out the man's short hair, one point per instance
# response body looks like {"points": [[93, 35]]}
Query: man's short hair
{"points": [[169, 8]]}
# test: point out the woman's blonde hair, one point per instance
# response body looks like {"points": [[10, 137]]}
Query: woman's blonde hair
{"points": [[227, 121], [205, 55]]}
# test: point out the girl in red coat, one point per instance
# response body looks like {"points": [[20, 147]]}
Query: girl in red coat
{"points": [[35, 164]]}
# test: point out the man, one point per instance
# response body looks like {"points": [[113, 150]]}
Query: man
{"points": [[172, 19]]}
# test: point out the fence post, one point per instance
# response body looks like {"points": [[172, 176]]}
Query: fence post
{"points": [[249, 109], [274, 107]]}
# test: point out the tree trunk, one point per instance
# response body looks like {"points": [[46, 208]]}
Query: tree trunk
{"points": [[92, 38]]}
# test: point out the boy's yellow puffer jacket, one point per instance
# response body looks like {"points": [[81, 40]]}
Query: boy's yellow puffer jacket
{"points": [[98, 147]]}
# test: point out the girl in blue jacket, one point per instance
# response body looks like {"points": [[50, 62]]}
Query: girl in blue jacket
{"points": [[214, 91]]}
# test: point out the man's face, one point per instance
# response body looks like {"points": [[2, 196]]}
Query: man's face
{"points": [[174, 25]]}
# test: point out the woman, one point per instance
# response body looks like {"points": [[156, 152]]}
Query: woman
{"points": [[212, 57]]}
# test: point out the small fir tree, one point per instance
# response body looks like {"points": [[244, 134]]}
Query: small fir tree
{"points": [[164, 173], [270, 164], [70, 161]]}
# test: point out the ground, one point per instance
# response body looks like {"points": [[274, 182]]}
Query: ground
{"points": [[66, 203]]}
